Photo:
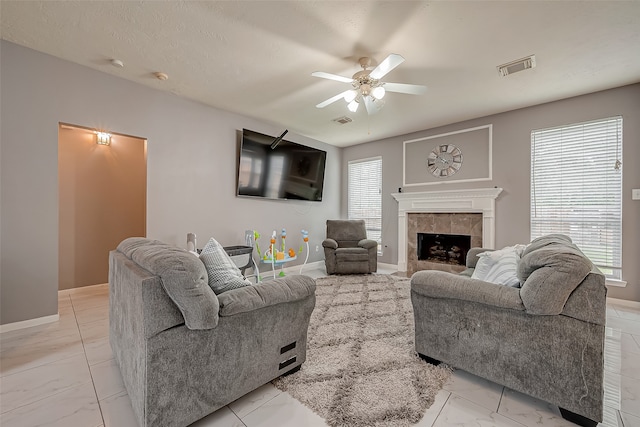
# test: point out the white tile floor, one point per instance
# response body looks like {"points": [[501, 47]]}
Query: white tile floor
{"points": [[63, 374]]}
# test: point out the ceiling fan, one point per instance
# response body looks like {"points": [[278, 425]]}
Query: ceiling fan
{"points": [[367, 87]]}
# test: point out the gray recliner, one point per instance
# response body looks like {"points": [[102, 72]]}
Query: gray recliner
{"points": [[347, 249]]}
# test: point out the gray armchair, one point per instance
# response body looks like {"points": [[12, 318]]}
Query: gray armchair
{"points": [[347, 249]]}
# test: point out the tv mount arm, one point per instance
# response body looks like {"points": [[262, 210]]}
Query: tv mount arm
{"points": [[276, 141]]}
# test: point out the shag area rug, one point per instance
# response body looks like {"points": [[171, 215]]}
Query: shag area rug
{"points": [[361, 368]]}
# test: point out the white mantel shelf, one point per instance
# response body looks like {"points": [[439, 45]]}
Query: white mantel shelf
{"points": [[475, 200]]}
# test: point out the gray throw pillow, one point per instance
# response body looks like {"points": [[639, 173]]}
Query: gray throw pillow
{"points": [[223, 274]]}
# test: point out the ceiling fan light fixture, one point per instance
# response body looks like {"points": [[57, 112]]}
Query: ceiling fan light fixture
{"points": [[350, 95], [368, 89], [378, 92]]}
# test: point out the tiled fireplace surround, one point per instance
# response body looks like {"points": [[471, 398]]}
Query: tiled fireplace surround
{"points": [[470, 212], [467, 224]]}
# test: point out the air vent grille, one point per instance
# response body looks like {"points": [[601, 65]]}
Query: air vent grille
{"points": [[343, 120], [517, 65]]}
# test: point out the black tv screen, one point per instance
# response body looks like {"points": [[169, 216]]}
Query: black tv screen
{"points": [[288, 171]]}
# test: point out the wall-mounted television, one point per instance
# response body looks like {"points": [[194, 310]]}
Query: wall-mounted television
{"points": [[288, 171]]}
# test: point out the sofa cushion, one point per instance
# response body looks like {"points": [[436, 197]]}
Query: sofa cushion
{"points": [[346, 230], [550, 274], [444, 285], [222, 271], [352, 255], [183, 278], [279, 291], [546, 240]]}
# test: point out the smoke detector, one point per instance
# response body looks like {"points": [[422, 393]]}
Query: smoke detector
{"points": [[342, 120], [517, 65], [161, 76]]}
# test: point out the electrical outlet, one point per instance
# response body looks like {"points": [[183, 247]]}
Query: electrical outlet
{"points": [[317, 248], [635, 194]]}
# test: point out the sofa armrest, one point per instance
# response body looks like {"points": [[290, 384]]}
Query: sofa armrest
{"points": [[440, 284], [472, 256], [330, 244], [183, 277], [368, 244], [137, 297], [264, 294]]}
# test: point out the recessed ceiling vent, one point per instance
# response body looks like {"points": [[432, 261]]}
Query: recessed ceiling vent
{"points": [[343, 120], [517, 65]]}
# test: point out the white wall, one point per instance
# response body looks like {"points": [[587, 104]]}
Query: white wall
{"points": [[192, 156], [511, 170]]}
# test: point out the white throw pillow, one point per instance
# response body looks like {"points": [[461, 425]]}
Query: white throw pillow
{"points": [[223, 273], [499, 266], [483, 266], [504, 271]]}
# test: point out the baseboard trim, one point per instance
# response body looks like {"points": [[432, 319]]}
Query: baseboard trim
{"points": [[388, 266], [267, 273], [624, 302], [309, 266], [29, 323]]}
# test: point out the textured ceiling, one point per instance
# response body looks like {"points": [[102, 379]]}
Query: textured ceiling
{"points": [[256, 57]]}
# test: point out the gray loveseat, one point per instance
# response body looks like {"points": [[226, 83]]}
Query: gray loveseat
{"points": [[544, 339], [185, 352]]}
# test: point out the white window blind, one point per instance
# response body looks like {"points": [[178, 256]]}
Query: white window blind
{"points": [[365, 195], [576, 188]]}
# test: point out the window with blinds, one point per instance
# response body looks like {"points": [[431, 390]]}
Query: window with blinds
{"points": [[576, 188], [365, 195]]}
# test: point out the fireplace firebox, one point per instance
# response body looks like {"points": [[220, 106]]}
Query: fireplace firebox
{"points": [[443, 248]]}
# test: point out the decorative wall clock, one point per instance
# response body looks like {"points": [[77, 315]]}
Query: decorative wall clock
{"points": [[444, 160]]}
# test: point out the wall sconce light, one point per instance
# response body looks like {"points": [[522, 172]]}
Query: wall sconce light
{"points": [[103, 138]]}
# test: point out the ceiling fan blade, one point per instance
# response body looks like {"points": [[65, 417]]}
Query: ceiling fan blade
{"points": [[372, 106], [388, 64], [405, 88], [333, 99], [330, 76]]}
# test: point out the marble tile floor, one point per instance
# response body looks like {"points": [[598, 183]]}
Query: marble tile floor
{"points": [[63, 374]]}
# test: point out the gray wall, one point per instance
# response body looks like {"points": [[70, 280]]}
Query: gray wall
{"points": [[511, 170], [192, 155]]}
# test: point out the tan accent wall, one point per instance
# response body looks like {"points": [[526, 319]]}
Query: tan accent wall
{"points": [[102, 200]]}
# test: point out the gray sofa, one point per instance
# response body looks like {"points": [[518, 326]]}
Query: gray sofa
{"points": [[185, 352], [545, 339], [347, 249]]}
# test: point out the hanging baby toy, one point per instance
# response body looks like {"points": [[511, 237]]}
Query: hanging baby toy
{"points": [[305, 239], [278, 256]]}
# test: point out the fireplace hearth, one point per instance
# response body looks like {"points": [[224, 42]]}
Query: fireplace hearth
{"points": [[443, 248]]}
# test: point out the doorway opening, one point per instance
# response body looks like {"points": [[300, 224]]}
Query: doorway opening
{"points": [[102, 199]]}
